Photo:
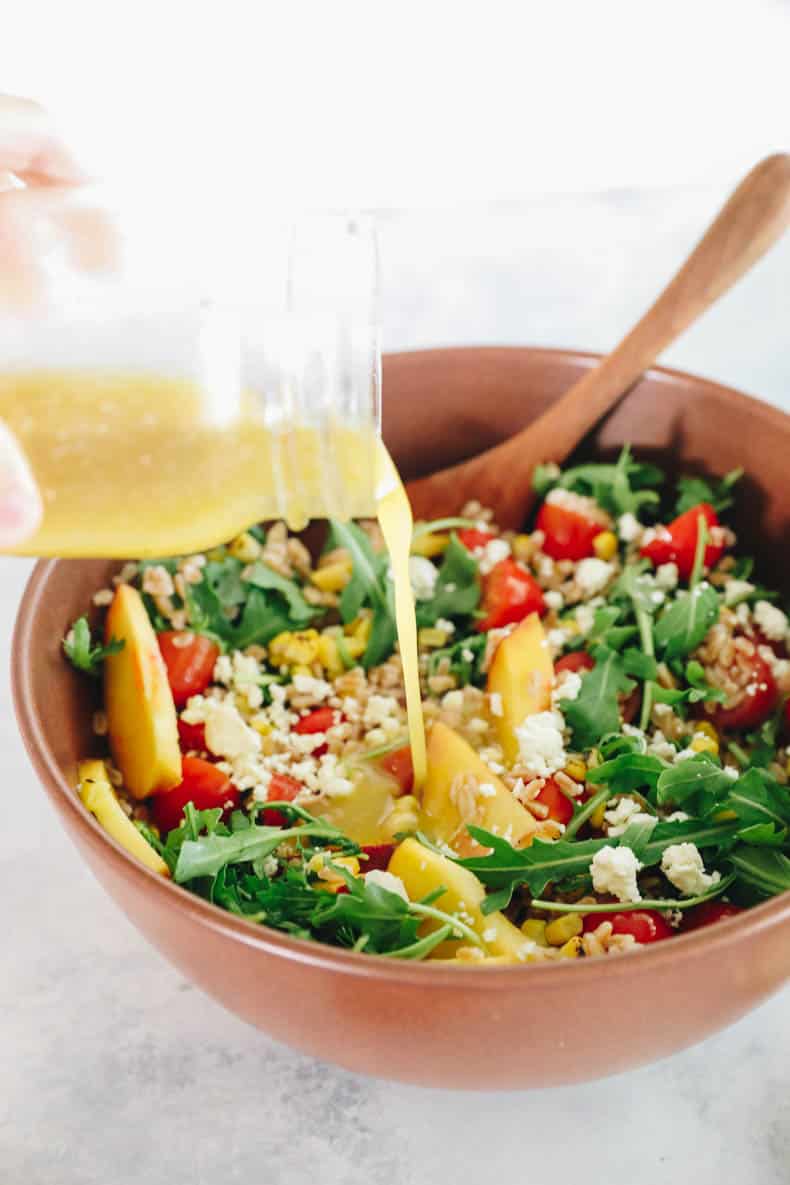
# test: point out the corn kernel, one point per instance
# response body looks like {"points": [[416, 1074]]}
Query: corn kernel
{"points": [[572, 948], [535, 929], [576, 769], [333, 577], [329, 655], [596, 818], [431, 638], [605, 545], [245, 547], [725, 816], [331, 880], [430, 545], [704, 744], [523, 547], [404, 816], [707, 729], [261, 725], [563, 928], [294, 648], [360, 627], [355, 647]]}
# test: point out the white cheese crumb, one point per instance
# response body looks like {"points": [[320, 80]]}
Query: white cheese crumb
{"points": [[770, 620], [667, 576], [319, 689], [223, 670], [554, 598], [541, 745], [453, 701], [423, 576], [467, 655], [378, 709], [447, 626], [737, 590], [495, 700], [677, 817], [659, 746], [568, 686], [492, 554], [227, 734], [585, 616], [386, 880], [593, 575], [629, 527], [614, 871], [731, 772], [682, 865], [625, 811]]}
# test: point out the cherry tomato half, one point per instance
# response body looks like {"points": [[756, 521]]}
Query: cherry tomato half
{"points": [[568, 532], [319, 720], [190, 660], [560, 806], [676, 543], [398, 765], [758, 700], [191, 736], [708, 913], [378, 856], [473, 538], [202, 784], [646, 925], [282, 788], [577, 660], [510, 594]]}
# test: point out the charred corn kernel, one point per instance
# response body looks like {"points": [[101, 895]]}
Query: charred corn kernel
{"points": [[429, 545], [576, 769], [355, 647], [596, 818], [571, 626], [331, 880], [245, 547], [360, 628], [563, 929], [333, 577], [535, 929], [431, 638], [605, 545], [523, 547], [329, 655], [707, 729], [572, 948], [725, 816], [704, 744], [292, 649], [404, 816]]}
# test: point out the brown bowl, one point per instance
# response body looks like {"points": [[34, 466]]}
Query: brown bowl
{"points": [[464, 1027]]}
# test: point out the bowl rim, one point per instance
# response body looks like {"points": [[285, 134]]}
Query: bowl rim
{"points": [[690, 948]]}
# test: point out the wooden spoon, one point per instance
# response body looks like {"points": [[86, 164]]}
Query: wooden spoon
{"points": [[752, 220]]}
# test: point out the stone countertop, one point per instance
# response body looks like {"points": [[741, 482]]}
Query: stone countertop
{"points": [[114, 1069]]}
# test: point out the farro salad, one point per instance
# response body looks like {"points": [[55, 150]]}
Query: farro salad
{"points": [[606, 705]]}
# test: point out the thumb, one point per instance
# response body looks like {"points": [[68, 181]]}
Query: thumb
{"points": [[21, 509]]}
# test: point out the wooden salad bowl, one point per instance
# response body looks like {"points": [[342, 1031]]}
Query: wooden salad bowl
{"points": [[503, 1027]]}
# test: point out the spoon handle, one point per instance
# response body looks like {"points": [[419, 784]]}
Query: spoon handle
{"points": [[753, 218]]}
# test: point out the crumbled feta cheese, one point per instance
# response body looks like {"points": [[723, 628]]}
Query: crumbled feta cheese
{"points": [[677, 817], [629, 527], [593, 575], [585, 616], [378, 709], [569, 684], [731, 772], [447, 626], [770, 620], [492, 554], [554, 599], [540, 743], [682, 865], [667, 576], [557, 638], [223, 670], [453, 701], [319, 689], [386, 880], [329, 780], [614, 871], [423, 576], [467, 655], [659, 746], [227, 734], [495, 701], [625, 811], [737, 590]]}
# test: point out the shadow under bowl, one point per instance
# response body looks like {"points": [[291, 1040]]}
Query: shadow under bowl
{"points": [[498, 1028]]}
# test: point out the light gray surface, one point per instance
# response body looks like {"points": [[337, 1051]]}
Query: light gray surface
{"points": [[113, 1069]]}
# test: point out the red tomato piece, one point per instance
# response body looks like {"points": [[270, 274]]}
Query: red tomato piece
{"points": [[473, 538], [577, 660], [708, 913], [378, 856], [759, 698], [319, 720], [568, 531], [787, 716], [629, 708], [677, 542], [191, 736], [399, 766], [510, 594], [646, 925], [282, 788], [190, 660], [560, 806], [201, 784]]}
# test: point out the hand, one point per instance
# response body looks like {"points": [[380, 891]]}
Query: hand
{"points": [[30, 153]]}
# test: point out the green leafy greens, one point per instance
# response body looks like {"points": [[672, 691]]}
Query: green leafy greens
{"points": [[81, 651]]}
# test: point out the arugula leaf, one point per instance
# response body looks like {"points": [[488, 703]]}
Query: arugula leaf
{"points": [[697, 777], [206, 855], [684, 624], [457, 591], [625, 486], [595, 711], [756, 798], [629, 771], [543, 862], [763, 869], [368, 586], [261, 576], [82, 653], [639, 664], [701, 690], [224, 578], [693, 490], [465, 658]]}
